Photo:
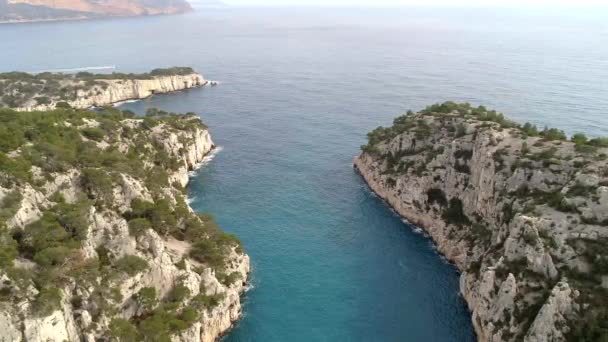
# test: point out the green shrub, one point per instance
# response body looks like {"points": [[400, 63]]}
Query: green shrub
{"points": [[229, 279], [463, 154], [14, 170], [179, 293], [579, 138], [52, 256], [550, 134], [206, 251], [146, 298], [8, 248], [530, 129], [138, 226], [94, 133], [204, 302], [437, 196], [454, 213], [558, 201], [462, 168], [585, 149], [121, 330], [47, 301], [9, 205], [599, 142], [98, 184], [189, 315], [47, 241], [63, 105], [131, 264]]}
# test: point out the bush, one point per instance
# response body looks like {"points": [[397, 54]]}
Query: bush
{"points": [[558, 201], [579, 138], [437, 196], [8, 248], [63, 105], [47, 302], [530, 130], [146, 298], [591, 327], [122, 330], [550, 134], [463, 154], [98, 184], [599, 142], [131, 264], [206, 251], [42, 100], [94, 133], [53, 256], [47, 241], [189, 315], [462, 168], [179, 293], [229, 279], [204, 302], [454, 214], [9, 205], [14, 170], [138, 226]]}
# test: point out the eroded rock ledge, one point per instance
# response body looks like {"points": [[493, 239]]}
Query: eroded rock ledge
{"points": [[96, 239], [522, 213]]}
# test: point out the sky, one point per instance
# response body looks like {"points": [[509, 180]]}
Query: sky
{"points": [[568, 3]]}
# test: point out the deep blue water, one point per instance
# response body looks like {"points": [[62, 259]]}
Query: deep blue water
{"points": [[300, 89]]}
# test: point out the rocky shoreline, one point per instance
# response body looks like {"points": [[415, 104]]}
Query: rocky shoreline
{"points": [[112, 91], [520, 212], [140, 262]]}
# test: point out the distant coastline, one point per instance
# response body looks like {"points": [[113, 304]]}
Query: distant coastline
{"points": [[47, 91], [28, 11]]}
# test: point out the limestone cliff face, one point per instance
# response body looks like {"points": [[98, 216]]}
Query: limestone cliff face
{"points": [[90, 305], [519, 215], [107, 92]]}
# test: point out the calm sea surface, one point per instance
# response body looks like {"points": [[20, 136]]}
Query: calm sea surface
{"points": [[299, 90]]}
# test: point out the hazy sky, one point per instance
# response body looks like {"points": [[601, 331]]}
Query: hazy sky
{"points": [[573, 3]]}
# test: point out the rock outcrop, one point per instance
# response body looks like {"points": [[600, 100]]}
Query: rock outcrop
{"points": [[125, 258], [103, 92], [522, 213]]}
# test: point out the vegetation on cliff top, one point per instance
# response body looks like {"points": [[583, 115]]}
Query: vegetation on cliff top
{"points": [[99, 149], [560, 184], [18, 89], [409, 121]]}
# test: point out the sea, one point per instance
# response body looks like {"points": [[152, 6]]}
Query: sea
{"points": [[299, 89]]}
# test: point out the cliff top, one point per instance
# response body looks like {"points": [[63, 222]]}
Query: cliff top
{"points": [[20, 89], [523, 212], [94, 222]]}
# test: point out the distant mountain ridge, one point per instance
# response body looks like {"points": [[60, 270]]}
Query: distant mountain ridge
{"points": [[41, 10]]}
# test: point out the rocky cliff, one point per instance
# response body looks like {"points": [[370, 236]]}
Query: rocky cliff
{"points": [[96, 239], [36, 10], [25, 92], [522, 213]]}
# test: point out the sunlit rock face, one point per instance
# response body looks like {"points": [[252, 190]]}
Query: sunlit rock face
{"points": [[88, 306], [522, 214]]}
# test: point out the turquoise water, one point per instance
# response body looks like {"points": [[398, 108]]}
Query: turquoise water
{"points": [[299, 90]]}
